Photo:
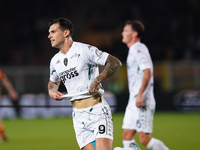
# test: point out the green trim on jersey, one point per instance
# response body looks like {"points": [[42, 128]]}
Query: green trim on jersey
{"points": [[90, 71], [53, 72], [83, 125]]}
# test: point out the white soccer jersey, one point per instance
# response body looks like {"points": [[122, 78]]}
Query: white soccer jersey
{"points": [[77, 68], [138, 60]]}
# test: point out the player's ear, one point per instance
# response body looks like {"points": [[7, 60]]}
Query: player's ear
{"points": [[66, 33], [135, 34]]}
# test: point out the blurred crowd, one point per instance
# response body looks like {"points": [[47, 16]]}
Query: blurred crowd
{"points": [[172, 28]]}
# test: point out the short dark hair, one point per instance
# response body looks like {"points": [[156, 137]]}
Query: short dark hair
{"points": [[64, 24], [136, 26]]}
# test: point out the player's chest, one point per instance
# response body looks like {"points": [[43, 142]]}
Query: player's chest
{"points": [[131, 62], [72, 64]]}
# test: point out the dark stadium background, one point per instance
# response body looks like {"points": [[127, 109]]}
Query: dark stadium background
{"points": [[172, 36]]}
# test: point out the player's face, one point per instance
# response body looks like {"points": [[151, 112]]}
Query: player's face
{"points": [[56, 35], [127, 34]]}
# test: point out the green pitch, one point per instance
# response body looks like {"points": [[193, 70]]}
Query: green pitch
{"points": [[179, 131]]}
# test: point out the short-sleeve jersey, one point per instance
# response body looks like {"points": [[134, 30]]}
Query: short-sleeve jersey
{"points": [[77, 68], [139, 59]]}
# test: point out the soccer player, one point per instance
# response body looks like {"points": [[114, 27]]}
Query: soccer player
{"points": [[76, 65], [141, 105], [13, 95]]}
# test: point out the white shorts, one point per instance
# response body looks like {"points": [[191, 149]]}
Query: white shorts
{"points": [[139, 119], [92, 122]]}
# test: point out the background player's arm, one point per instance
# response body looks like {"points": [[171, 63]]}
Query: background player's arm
{"points": [[111, 65], [53, 90], [145, 80], [9, 87]]}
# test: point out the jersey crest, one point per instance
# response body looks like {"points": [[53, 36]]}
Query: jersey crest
{"points": [[65, 61]]}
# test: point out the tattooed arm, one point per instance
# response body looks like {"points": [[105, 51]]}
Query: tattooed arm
{"points": [[53, 90], [145, 82], [111, 65]]}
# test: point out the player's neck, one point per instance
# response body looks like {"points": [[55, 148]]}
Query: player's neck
{"points": [[135, 40], [66, 45]]}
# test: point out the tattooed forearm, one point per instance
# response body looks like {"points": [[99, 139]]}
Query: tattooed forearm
{"points": [[112, 64], [53, 86]]}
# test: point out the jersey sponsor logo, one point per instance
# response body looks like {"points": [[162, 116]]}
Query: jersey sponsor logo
{"points": [[68, 74], [65, 61]]}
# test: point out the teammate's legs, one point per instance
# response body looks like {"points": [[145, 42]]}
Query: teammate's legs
{"points": [[130, 122], [151, 143], [144, 138], [156, 144], [128, 137]]}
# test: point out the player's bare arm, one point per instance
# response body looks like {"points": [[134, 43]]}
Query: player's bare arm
{"points": [[53, 90], [111, 65], [9, 87], [145, 81]]}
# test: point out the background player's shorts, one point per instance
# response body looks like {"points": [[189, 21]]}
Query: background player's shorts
{"points": [[139, 119], [92, 122]]}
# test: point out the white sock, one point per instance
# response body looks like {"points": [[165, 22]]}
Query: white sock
{"points": [[126, 143], [156, 144]]}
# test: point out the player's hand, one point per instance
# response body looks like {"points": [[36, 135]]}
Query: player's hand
{"points": [[94, 87], [13, 95], [139, 100], [56, 95]]}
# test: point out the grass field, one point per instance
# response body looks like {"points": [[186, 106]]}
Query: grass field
{"points": [[179, 131]]}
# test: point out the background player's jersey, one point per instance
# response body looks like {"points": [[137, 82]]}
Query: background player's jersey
{"points": [[138, 60], [77, 68]]}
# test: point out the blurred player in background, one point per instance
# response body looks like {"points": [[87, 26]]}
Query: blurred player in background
{"points": [[141, 105], [76, 65], [13, 95]]}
